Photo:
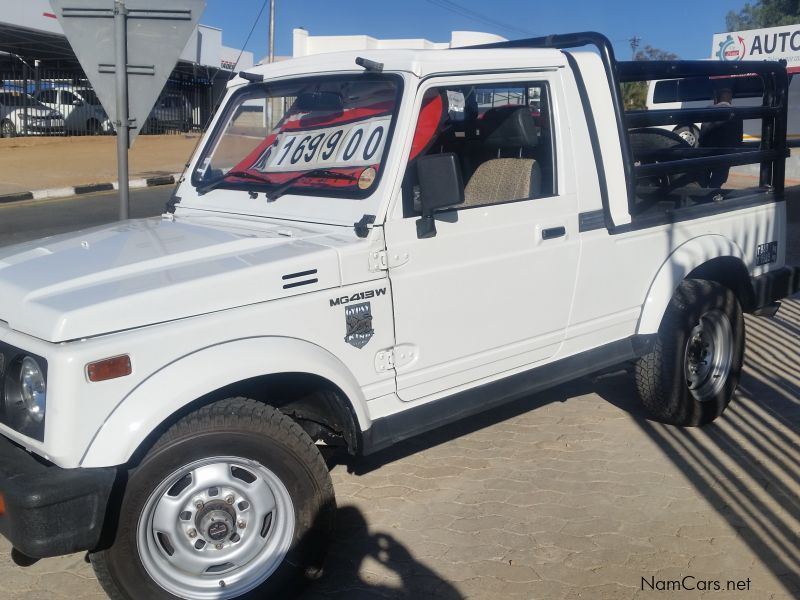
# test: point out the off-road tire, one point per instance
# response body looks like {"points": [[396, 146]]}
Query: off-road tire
{"points": [[661, 375], [233, 427]]}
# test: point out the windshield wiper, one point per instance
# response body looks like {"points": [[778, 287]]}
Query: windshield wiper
{"points": [[204, 189], [279, 191]]}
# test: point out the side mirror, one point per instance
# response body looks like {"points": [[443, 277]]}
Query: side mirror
{"points": [[77, 103], [440, 186]]}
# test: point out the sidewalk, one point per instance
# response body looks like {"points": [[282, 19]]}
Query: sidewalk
{"points": [[30, 164]]}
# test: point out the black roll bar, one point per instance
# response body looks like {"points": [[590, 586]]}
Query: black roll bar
{"points": [[773, 147], [647, 118]]}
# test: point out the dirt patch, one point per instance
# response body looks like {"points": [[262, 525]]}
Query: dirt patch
{"points": [[42, 163]]}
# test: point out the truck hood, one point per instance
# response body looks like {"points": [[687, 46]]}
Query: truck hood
{"points": [[149, 271]]}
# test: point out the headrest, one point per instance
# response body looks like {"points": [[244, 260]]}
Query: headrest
{"points": [[430, 117], [509, 127]]}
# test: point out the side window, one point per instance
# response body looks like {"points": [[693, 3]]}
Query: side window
{"points": [[68, 98], [501, 135], [49, 97]]}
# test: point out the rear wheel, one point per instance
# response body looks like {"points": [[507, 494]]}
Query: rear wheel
{"points": [[233, 501], [7, 129], [93, 127], [693, 371]]}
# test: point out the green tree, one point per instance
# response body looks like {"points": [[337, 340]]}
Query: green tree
{"points": [[764, 13], [634, 93], [650, 53]]}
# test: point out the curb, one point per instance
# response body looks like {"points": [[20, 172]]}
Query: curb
{"points": [[66, 192]]}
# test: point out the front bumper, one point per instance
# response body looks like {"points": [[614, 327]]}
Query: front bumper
{"points": [[47, 510]]}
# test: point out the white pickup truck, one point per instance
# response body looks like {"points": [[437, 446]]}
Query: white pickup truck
{"points": [[364, 247]]}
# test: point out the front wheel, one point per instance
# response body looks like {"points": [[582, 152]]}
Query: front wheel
{"points": [[693, 371], [233, 501]]}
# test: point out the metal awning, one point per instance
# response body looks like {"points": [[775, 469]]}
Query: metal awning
{"points": [[54, 51], [35, 45]]}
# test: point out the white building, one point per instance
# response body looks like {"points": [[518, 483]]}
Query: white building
{"points": [[305, 44]]}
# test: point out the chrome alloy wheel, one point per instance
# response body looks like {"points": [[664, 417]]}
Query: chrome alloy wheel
{"points": [[709, 355], [689, 136], [216, 528]]}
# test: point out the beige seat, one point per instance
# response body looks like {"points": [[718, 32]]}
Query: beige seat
{"points": [[502, 180], [510, 130]]}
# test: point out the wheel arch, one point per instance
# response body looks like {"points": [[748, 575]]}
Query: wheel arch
{"points": [[300, 378], [712, 257]]}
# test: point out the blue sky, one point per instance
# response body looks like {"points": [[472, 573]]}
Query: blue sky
{"points": [[681, 26]]}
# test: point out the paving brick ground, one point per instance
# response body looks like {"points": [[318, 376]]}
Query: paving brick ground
{"points": [[568, 494]]}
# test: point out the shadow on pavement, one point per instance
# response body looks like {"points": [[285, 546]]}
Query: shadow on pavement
{"points": [[747, 463], [452, 431], [360, 552]]}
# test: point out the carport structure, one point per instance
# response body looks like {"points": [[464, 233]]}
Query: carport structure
{"points": [[35, 55]]}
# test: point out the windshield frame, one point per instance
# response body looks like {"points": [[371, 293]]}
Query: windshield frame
{"points": [[233, 102]]}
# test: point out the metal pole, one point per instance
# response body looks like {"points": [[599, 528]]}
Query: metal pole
{"points": [[25, 114], [271, 31], [123, 132], [634, 45], [271, 59]]}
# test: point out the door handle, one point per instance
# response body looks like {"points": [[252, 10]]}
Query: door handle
{"points": [[554, 232]]}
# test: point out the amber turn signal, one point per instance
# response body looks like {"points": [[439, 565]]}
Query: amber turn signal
{"points": [[109, 368], [2, 505]]}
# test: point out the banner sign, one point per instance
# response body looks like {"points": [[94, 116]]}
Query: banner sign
{"points": [[773, 43]]}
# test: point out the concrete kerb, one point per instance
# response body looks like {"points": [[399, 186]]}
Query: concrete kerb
{"points": [[65, 192]]}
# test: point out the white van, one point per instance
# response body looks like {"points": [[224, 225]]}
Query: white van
{"points": [[698, 92]]}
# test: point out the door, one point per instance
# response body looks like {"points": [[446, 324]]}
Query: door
{"points": [[490, 293]]}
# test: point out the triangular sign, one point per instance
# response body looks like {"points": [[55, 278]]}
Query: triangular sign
{"points": [[157, 33]]}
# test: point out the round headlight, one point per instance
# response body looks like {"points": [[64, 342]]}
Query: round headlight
{"points": [[33, 389]]}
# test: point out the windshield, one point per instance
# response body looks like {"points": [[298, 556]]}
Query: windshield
{"points": [[18, 100], [322, 136]]}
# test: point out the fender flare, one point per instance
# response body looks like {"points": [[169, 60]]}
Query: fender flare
{"points": [[164, 392], [684, 259]]}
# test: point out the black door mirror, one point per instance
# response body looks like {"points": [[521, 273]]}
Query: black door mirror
{"points": [[440, 186]]}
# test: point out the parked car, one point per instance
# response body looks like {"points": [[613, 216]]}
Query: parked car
{"points": [[172, 112], [83, 113], [21, 114], [378, 264]]}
